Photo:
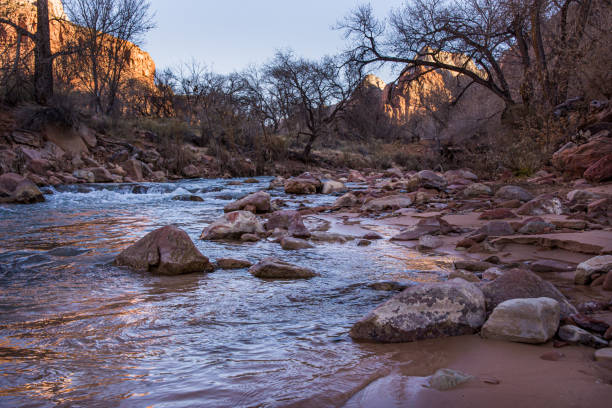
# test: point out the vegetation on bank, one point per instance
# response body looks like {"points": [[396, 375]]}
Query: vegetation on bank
{"points": [[544, 61]]}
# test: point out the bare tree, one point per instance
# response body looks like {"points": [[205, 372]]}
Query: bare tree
{"points": [[109, 30], [485, 32], [315, 92], [43, 57]]}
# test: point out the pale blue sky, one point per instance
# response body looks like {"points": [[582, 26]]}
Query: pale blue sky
{"points": [[228, 35]]}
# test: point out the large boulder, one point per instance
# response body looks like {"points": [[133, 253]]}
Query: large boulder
{"points": [[303, 184], [514, 193], [232, 226], [133, 169], [289, 220], [17, 189], [101, 175], [425, 311], [347, 200], [273, 268], [585, 270], [519, 283], [166, 251], [523, 320], [258, 202], [601, 170], [392, 202], [575, 160]]}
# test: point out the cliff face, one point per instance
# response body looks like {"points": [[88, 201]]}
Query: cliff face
{"points": [[424, 101], [140, 65]]}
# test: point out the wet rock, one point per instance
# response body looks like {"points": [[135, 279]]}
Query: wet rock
{"points": [[465, 275], [586, 269], [466, 243], [323, 236], [447, 379], [303, 184], [251, 181], [101, 175], [472, 266], [187, 197], [392, 202], [331, 187], [424, 311], [229, 263], [477, 190], [291, 243], [249, 237], [232, 226], [372, 236], [258, 202], [429, 179], [277, 182], [347, 200], [425, 226], [427, 242], [543, 204], [364, 242], [492, 273], [519, 283], [574, 334], [388, 286], [532, 320], [289, 220], [85, 175], [273, 268], [166, 251], [514, 193], [536, 226], [497, 214], [551, 265], [604, 354], [17, 189]]}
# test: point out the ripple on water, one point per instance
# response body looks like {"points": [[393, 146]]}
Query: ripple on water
{"points": [[77, 331]]}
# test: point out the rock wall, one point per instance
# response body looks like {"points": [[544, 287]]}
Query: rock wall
{"points": [[140, 66]]}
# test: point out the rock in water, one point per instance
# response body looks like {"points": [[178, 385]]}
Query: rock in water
{"points": [[258, 202], [332, 186], [424, 311], [229, 263], [291, 243], [232, 226], [167, 251], [523, 320], [16, 189], [446, 379], [273, 268], [519, 283]]}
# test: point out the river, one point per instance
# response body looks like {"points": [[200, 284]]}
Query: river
{"points": [[75, 330]]}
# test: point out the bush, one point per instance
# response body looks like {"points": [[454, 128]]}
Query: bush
{"points": [[61, 112]]}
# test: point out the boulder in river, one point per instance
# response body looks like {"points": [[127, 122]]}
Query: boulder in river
{"points": [[258, 202], [514, 193], [233, 225], [167, 251], [347, 200], [17, 189], [274, 268], [532, 320], [291, 243], [599, 264], [303, 184], [289, 220], [332, 186], [426, 311], [230, 263]]}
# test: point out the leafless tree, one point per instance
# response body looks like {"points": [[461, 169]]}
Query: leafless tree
{"points": [[485, 32], [109, 30], [315, 92]]}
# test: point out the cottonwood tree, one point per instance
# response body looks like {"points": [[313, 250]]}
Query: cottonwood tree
{"points": [[43, 56], [315, 92], [485, 32], [109, 31]]}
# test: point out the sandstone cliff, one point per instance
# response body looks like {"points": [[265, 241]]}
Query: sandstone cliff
{"points": [[140, 65]]}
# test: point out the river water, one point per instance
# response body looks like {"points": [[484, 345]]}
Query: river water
{"points": [[76, 331]]}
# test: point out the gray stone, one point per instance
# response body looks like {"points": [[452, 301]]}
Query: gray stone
{"points": [[291, 243], [424, 311], [574, 334], [533, 320], [447, 379], [331, 186], [232, 226], [514, 193]]}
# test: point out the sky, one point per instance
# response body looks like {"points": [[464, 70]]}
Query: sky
{"points": [[230, 35]]}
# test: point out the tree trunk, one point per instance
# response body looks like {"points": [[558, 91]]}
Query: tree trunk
{"points": [[43, 61], [308, 147]]}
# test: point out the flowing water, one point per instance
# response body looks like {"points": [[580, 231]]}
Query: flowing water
{"points": [[77, 331]]}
